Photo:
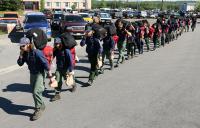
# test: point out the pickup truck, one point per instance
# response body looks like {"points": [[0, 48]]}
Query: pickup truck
{"points": [[37, 20], [12, 18], [74, 24]]}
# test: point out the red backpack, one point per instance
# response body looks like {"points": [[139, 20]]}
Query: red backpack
{"points": [[48, 53], [115, 38]]}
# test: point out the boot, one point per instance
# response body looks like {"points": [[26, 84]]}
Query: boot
{"points": [[56, 97], [38, 113], [90, 82], [73, 89]]}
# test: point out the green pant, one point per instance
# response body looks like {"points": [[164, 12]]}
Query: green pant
{"points": [[59, 75], [93, 66], [107, 54], [155, 42], [147, 42], [121, 48], [36, 82]]}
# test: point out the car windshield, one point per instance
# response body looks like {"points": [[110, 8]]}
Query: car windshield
{"points": [[10, 15], [84, 15], [8, 21], [56, 16], [73, 19], [36, 19], [104, 15]]}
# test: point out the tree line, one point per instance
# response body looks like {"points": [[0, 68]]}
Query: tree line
{"points": [[147, 5], [10, 5]]}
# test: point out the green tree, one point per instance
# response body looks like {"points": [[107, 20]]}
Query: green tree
{"points": [[198, 6], [94, 4], [42, 2], [10, 5], [103, 4], [73, 7]]}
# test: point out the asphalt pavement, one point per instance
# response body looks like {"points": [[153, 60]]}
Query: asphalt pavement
{"points": [[159, 89]]}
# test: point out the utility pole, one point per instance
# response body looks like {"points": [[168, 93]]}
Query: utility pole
{"points": [[162, 6], [86, 4]]}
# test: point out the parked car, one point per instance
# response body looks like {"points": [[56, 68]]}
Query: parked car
{"points": [[74, 24], [116, 14], [86, 17], [142, 14], [55, 22], [57, 10], [48, 14], [37, 20], [105, 18], [128, 14], [154, 15], [11, 17]]}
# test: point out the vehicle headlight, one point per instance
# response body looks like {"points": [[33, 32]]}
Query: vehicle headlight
{"points": [[26, 30], [69, 28]]}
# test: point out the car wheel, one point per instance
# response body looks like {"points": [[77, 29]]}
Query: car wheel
{"points": [[49, 40]]}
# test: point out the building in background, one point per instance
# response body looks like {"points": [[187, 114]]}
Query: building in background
{"points": [[57, 4], [31, 4], [189, 6]]}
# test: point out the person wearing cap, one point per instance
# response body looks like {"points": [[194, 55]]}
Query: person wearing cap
{"points": [[37, 65], [93, 49], [121, 45], [131, 45], [108, 49], [64, 67]]}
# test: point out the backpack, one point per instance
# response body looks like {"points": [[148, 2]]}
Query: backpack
{"points": [[68, 40], [115, 38], [111, 29], [48, 53], [38, 36]]}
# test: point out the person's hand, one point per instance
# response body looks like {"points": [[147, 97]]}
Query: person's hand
{"points": [[52, 79], [21, 53], [71, 73]]}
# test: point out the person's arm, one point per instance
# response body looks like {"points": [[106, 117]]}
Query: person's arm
{"points": [[21, 58], [69, 59], [112, 44], [43, 61]]}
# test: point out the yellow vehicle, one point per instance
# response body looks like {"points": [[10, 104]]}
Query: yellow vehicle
{"points": [[86, 17]]}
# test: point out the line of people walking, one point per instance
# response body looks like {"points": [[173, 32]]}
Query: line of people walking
{"points": [[101, 40]]}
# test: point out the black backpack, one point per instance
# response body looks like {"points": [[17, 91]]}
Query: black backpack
{"points": [[68, 40], [111, 29], [38, 37]]}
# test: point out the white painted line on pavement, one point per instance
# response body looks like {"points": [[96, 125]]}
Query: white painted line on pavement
{"points": [[10, 69]]}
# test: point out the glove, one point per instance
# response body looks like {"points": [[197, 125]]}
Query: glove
{"points": [[100, 50], [71, 73], [82, 43], [52, 79]]}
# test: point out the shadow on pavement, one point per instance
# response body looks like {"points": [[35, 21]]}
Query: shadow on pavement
{"points": [[83, 61], [15, 36], [82, 68], [80, 82], [17, 87], [14, 109]]}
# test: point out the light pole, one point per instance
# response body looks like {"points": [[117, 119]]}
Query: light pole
{"points": [[162, 6]]}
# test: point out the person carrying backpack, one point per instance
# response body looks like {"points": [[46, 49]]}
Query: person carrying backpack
{"points": [[93, 50], [156, 36], [131, 45], [194, 21], [146, 36], [108, 49], [37, 65], [65, 66], [121, 45]]}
